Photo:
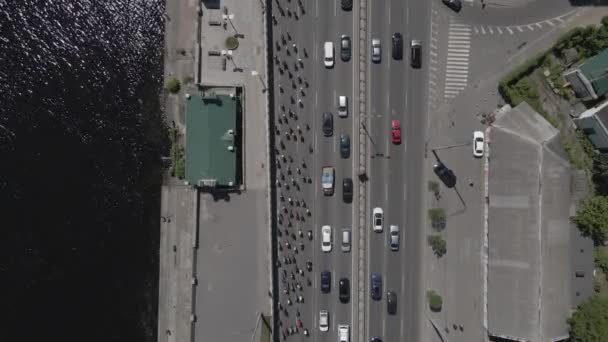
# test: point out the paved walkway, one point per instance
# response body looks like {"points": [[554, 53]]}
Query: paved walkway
{"points": [[232, 262]]}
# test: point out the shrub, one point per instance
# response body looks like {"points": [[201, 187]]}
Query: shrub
{"points": [[437, 217], [173, 86], [435, 301], [434, 187], [438, 245]]}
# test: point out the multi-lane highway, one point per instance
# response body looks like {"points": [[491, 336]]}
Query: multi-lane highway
{"points": [[304, 89], [397, 92]]}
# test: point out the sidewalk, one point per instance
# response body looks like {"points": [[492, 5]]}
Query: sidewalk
{"points": [[203, 308], [451, 124]]}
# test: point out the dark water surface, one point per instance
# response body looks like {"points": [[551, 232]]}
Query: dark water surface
{"points": [[80, 138]]}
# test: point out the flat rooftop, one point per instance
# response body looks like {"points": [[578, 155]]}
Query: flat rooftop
{"points": [[212, 148], [529, 261]]}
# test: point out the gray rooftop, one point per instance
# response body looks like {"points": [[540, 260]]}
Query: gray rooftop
{"points": [[529, 294]]}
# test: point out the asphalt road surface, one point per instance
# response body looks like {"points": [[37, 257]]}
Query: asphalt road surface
{"points": [[398, 92], [303, 92]]}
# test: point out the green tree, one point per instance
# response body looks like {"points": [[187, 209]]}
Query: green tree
{"points": [[435, 300], [438, 245], [589, 323], [592, 218], [173, 85], [601, 259]]}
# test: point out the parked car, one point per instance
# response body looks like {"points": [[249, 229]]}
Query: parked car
{"points": [[416, 53], [344, 289], [375, 339], [328, 124], [378, 219], [323, 320], [325, 281], [478, 144], [326, 239], [376, 50], [376, 291], [344, 146], [455, 5], [394, 237], [347, 190], [345, 47], [446, 175], [396, 132], [391, 302], [397, 46]]}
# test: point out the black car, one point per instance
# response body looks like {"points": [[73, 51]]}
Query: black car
{"points": [[347, 5], [325, 281], [416, 54], [344, 286], [376, 286], [347, 190], [446, 175], [391, 302], [344, 146], [375, 339], [345, 47], [455, 5], [397, 46], [328, 124]]}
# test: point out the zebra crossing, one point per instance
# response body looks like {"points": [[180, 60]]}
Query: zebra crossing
{"points": [[457, 59]]}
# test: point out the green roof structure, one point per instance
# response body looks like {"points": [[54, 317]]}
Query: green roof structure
{"points": [[212, 143], [595, 70]]}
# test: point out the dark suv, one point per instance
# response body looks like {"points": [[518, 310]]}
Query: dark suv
{"points": [[347, 190], [397, 46], [328, 124], [325, 281], [344, 286], [344, 146], [347, 5], [416, 54], [345, 48], [455, 5], [446, 175], [391, 302], [376, 286]]}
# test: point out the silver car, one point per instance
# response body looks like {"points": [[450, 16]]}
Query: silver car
{"points": [[376, 50], [394, 237]]}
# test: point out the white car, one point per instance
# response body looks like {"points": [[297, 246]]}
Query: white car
{"points": [[342, 106], [478, 144], [378, 220], [326, 239], [323, 320], [376, 50], [343, 333]]}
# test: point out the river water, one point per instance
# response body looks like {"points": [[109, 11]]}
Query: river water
{"points": [[80, 138]]}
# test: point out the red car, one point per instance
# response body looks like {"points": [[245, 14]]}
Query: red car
{"points": [[396, 129]]}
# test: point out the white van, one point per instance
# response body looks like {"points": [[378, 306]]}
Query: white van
{"points": [[342, 106], [328, 49]]}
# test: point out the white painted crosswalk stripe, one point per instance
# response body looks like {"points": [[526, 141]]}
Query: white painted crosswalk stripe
{"points": [[509, 29], [457, 59], [490, 29], [499, 30]]}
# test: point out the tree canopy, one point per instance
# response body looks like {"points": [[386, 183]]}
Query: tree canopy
{"points": [[592, 218], [589, 323]]}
